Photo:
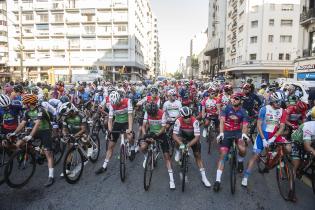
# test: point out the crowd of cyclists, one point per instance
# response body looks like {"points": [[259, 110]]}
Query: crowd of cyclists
{"points": [[257, 117]]}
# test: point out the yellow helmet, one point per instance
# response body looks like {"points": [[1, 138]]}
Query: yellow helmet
{"points": [[313, 113]]}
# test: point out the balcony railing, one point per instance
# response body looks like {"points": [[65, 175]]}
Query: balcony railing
{"points": [[307, 16]]}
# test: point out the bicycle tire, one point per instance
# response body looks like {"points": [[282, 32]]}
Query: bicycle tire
{"points": [[19, 156], [148, 171], [58, 148], [122, 168], [4, 160], [261, 163], [211, 136], [96, 140], [80, 164], [282, 174], [233, 171], [184, 170], [313, 178]]}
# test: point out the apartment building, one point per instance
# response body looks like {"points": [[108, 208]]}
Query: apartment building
{"points": [[261, 39], [79, 39], [305, 63], [4, 74]]}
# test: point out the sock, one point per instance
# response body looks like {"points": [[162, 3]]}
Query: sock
{"points": [[219, 173], [246, 173], [51, 172], [105, 163], [203, 173], [170, 173], [240, 158]]}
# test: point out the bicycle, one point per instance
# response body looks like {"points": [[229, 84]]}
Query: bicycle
{"points": [[233, 164], [151, 162], [5, 154], [275, 157], [77, 156], [184, 161], [211, 132]]}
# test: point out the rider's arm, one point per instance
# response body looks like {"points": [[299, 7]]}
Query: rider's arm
{"points": [[307, 137], [196, 134], [82, 130], [287, 122], [110, 118], [163, 129], [130, 115], [176, 131], [20, 126], [35, 128], [262, 113], [144, 126], [282, 124]]}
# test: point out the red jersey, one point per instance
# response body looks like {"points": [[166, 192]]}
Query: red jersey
{"points": [[210, 106], [293, 116]]}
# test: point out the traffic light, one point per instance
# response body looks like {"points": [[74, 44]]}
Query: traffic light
{"points": [[286, 73]]}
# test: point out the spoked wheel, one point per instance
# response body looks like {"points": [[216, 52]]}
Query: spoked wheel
{"points": [[20, 169], [96, 146], [184, 169], [123, 162], [211, 136], [148, 171], [285, 178], [58, 148], [73, 165], [233, 165], [4, 160]]}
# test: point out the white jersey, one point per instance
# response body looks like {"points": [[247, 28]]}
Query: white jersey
{"points": [[172, 109], [49, 108], [309, 131]]}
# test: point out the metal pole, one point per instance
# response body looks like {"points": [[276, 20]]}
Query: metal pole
{"points": [[21, 48]]}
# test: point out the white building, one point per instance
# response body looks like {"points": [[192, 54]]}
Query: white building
{"points": [[82, 38], [3, 42], [216, 36], [305, 63], [261, 38]]}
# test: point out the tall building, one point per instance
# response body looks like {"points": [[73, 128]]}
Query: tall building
{"points": [[216, 36], [305, 63], [4, 74], [79, 39], [261, 38]]}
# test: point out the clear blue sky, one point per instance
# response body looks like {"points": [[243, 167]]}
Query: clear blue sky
{"points": [[178, 22]]}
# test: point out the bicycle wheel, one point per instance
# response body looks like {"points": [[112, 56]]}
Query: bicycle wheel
{"points": [[285, 178], [184, 169], [313, 177], [233, 170], [96, 145], [58, 148], [148, 170], [4, 160], [261, 163], [123, 162], [211, 136], [20, 169], [73, 165]]}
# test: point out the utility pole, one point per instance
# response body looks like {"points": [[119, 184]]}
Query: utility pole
{"points": [[218, 58], [21, 47], [69, 60]]}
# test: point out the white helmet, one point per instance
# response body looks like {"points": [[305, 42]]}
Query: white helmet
{"points": [[4, 100], [114, 97], [276, 97], [99, 88], [171, 92], [65, 108]]}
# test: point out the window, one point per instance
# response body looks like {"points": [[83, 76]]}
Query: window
{"points": [[287, 56], [253, 39], [272, 7], [254, 9], [252, 57], [58, 17], [270, 38], [42, 27], [254, 24], [287, 7], [122, 41], [43, 18], [286, 22], [121, 28], [89, 29], [28, 17], [271, 22], [241, 28], [286, 38], [29, 55], [121, 53], [280, 56]]}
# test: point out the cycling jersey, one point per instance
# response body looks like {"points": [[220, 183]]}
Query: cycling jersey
{"points": [[85, 96], [74, 123], [9, 117], [234, 118], [293, 116], [99, 97], [148, 99], [249, 103], [155, 122], [39, 113], [210, 106], [49, 108], [189, 130], [305, 133], [224, 100], [271, 118], [121, 110], [55, 102], [172, 109]]}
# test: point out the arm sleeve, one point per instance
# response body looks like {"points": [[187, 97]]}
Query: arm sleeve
{"points": [[262, 113], [283, 117], [164, 119], [145, 118], [130, 109], [176, 127]]}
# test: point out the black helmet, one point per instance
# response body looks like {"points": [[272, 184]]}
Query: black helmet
{"points": [[152, 108], [18, 88], [185, 112]]}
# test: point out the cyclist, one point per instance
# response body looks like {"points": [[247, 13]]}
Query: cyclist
{"points": [[154, 123], [38, 119], [121, 109], [270, 125], [296, 115], [224, 98], [9, 114], [172, 106], [187, 128], [153, 97], [233, 124]]}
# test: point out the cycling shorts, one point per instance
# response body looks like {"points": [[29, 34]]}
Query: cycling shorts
{"points": [[297, 152], [45, 139], [162, 140], [226, 143], [118, 127], [259, 147]]}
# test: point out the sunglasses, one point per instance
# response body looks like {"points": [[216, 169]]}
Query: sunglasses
{"points": [[236, 98]]}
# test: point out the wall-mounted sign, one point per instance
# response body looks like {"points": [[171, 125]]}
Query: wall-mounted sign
{"points": [[305, 67]]}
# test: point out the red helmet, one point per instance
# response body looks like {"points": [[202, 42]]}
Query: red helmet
{"points": [[302, 106], [228, 88], [246, 86], [238, 95]]}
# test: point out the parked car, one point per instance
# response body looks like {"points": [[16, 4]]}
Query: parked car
{"points": [[303, 89]]}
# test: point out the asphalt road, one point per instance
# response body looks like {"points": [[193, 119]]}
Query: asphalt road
{"points": [[106, 191]]}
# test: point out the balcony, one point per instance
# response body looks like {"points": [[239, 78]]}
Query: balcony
{"points": [[307, 16]]}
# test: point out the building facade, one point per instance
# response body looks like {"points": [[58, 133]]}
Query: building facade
{"points": [[305, 63], [75, 40], [261, 39], [4, 73]]}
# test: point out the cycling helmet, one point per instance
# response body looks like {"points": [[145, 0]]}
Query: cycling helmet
{"points": [[30, 99], [114, 97], [247, 86], [152, 108], [64, 99], [65, 108], [154, 89], [302, 106], [185, 112], [186, 83], [18, 88], [171, 92], [276, 97], [99, 88], [110, 89], [4, 100], [211, 90], [228, 88], [237, 95]]}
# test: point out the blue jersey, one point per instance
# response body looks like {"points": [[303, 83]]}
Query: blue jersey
{"points": [[85, 96]]}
